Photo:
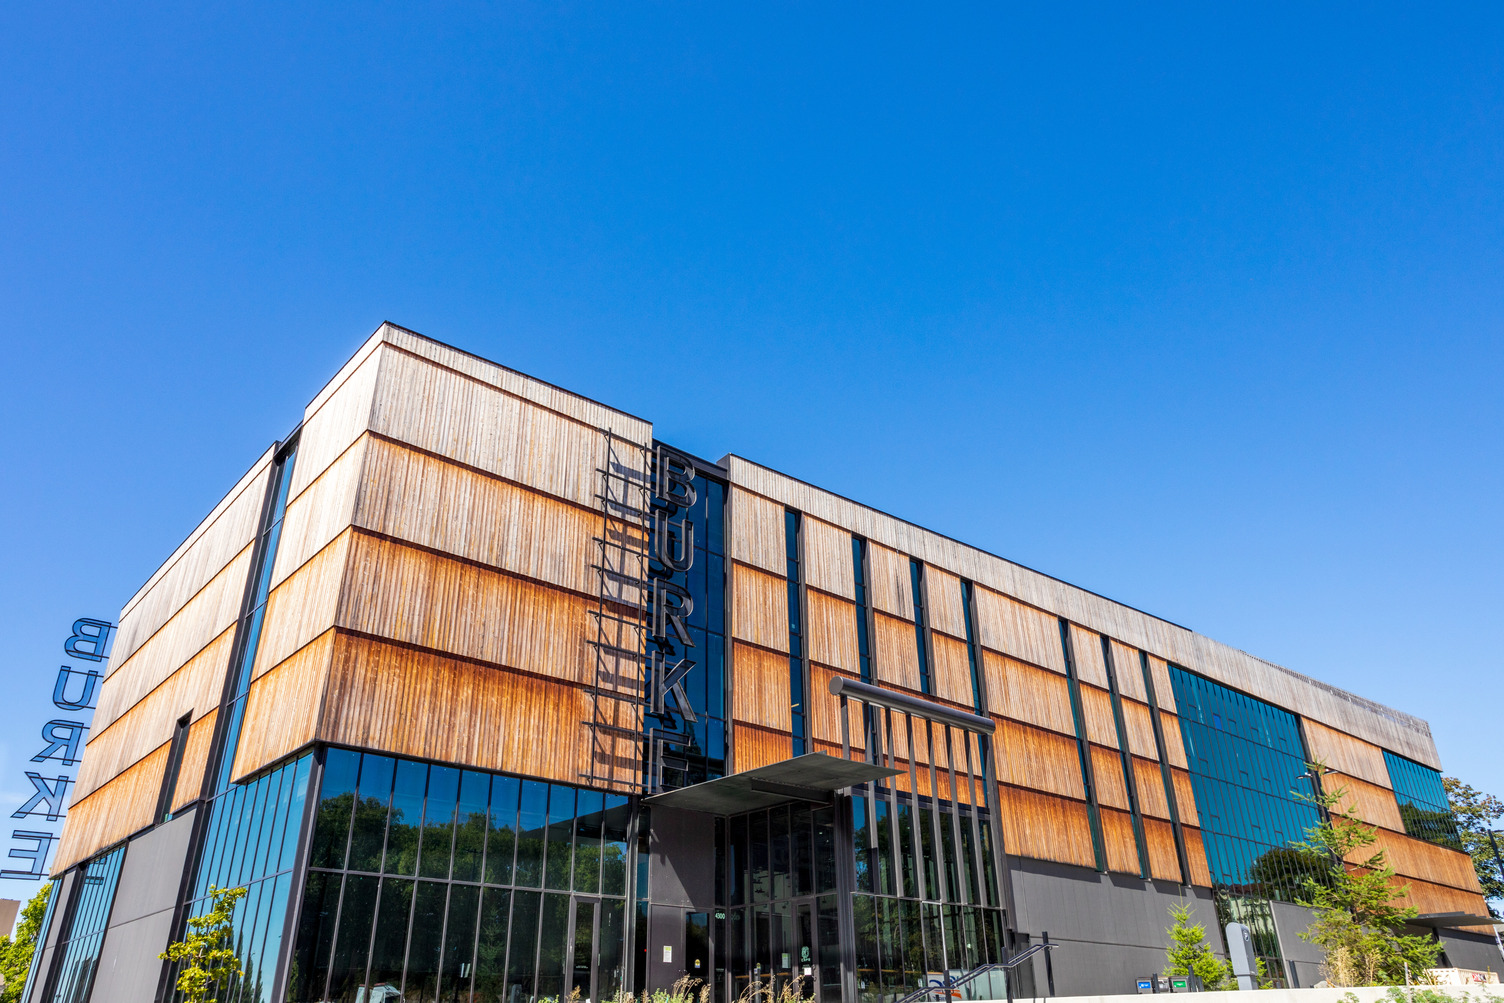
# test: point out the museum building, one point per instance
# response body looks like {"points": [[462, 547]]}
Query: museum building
{"points": [[484, 693]]}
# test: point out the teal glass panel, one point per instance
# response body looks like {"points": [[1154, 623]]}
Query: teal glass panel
{"points": [[1424, 807]]}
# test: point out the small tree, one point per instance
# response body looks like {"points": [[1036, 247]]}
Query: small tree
{"points": [[16, 952], [207, 953], [1357, 921], [1475, 813], [1189, 954]]}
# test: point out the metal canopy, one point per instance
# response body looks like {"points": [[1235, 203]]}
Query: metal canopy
{"points": [[1448, 920], [812, 777]]}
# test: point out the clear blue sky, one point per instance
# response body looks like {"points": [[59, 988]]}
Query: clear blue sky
{"points": [[1198, 307]]}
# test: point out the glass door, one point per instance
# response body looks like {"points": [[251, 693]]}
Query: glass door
{"points": [[806, 944], [584, 930]]}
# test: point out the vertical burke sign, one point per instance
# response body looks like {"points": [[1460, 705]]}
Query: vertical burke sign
{"points": [[75, 692]]}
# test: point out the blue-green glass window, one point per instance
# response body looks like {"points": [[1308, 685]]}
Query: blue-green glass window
{"points": [[863, 614], [1423, 801], [1246, 763], [921, 623], [77, 951], [792, 528], [968, 610]]}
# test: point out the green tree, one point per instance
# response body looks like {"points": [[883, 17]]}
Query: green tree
{"points": [[1189, 954], [1358, 922], [1476, 814], [15, 952], [207, 953]]}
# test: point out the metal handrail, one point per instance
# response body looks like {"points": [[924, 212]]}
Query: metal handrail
{"points": [[951, 984]]}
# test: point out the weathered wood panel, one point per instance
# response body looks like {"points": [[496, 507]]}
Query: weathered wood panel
{"points": [[307, 603], [195, 760], [1119, 841], [762, 688], [1430, 898], [1347, 754], [1151, 789], [1139, 725], [325, 509], [832, 631], [891, 590], [1164, 862], [951, 672], [429, 502], [1045, 827], [1029, 694], [946, 613], [759, 607], [451, 415], [1382, 726], [195, 687], [755, 532], [203, 618], [1164, 692], [448, 606], [1195, 851], [1174, 743], [754, 747], [827, 559], [337, 416], [1087, 647], [414, 703], [825, 711], [1107, 771], [1130, 672], [282, 707], [1185, 797], [1415, 858], [112, 812], [1371, 803], [1096, 707], [896, 652], [1037, 759], [1019, 631]]}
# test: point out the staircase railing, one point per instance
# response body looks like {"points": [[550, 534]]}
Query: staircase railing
{"points": [[949, 985]]}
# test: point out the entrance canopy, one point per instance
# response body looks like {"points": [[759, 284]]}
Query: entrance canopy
{"points": [[1451, 920], [812, 777]]}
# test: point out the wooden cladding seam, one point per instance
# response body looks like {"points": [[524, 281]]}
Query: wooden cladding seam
{"points": [[1416, 858], [1019, 631], [759, 607], [825, 710]]}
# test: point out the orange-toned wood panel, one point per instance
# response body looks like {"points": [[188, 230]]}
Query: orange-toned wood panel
{"points": [[890, 591], [1024, 693], [1125, 664], [308, 602], [1174, 743], [1195, 851], [897, 652], [832, 631], [1369, 802], [759, 607], [112, 812], [195, 687], [1087, 647], [1119, 841], [1345, 753], [1415, 858], [755, 533], [756, 747], [1159, 837], [945, 611], [1139, 725], [195, 760], [1020, 631], [1045, 827], [1096, 706], [827, 559], [1164, 693], [282, 707], [1185, 797], [414, 597], [455, 510], [1107, 771], [825, 711], [951, 671], [761, 696], [322, 512], [1430, 898], [1151, 789], [1038, 759], [414, 703]]}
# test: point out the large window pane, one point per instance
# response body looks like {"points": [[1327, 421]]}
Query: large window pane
{"points": [[423, 948], [389, 945], [491, 945], [560, 837], [352, 944], [470, 826], [438, 821], [614, 845], [459, 944], [501, 840], [407, 816], [369, 829], [532, 823], [553, 934], [588, 826], [315, 938], [610, 969], [522, 955]]}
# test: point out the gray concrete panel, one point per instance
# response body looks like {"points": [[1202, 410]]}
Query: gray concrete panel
{"points": [[1472, 950], [152, 871], [682, 870], [1302, 959], [129, 968], [665, 931]]}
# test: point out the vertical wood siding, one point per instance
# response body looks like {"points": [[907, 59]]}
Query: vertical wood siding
{"points": [[754, 532], [759, 608], [827, 559]]}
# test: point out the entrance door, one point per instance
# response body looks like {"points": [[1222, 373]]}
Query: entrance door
{"points": [[584, 932]]}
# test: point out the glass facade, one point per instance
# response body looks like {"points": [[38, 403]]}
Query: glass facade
{"points": [[1083, 747], [429, 883], [77, 951], [1423, 802], [921, 624], [696, 751], [973, 656], [863, 611], [793, 547]]}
